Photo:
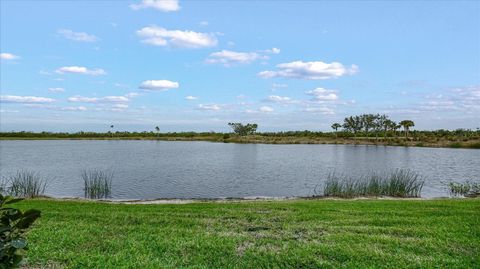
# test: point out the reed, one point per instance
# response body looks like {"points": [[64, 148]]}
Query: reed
{"points": [[465, 189], [398, 183], [97, 184], [26, 184]]}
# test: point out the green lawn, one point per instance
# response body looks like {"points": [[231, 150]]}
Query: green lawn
{"points": [[266, 234]]}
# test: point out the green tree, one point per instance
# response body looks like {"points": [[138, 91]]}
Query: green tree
{"points": [[335, 127], [367, 122], [243, 129], [388, 124], [353, 124], [157, 129], [407, 124]]}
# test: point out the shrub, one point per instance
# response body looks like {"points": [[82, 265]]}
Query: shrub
{"points": [[97, 184], [26, 184], [14, 224]]}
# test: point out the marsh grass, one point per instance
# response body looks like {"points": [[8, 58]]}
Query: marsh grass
{"points": [[398, 183], [97, 184], [466, 189], [25, 184]]}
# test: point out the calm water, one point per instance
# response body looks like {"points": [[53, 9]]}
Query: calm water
{"points": [[153, 169]]}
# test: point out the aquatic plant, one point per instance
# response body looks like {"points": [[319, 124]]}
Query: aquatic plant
{"points": [[26, 184], [466, 189], [97, 183], [398, 183]]}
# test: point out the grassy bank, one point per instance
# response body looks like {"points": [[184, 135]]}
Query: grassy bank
{"points": [[262, 139], [266, 234]]}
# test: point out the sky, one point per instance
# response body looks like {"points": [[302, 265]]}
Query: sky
{"points": [[197, 65]]}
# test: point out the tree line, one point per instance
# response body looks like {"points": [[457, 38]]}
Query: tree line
{"points": [[372, 123]]}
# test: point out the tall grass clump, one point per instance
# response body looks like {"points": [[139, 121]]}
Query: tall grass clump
{"points": [[398, 183], [26, 184], [466, 189], [97, 183]]}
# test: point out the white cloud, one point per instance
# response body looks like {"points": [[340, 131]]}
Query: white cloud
{"points": [[278, 99], [273, 51], [320, 110], [189, 97], [25, 99], [265, 109], [278, 86], [57, 108], [118, 107], [73, 108], [204, 23], [162, 5], [159, 85], [310, 70], [132, 94], [212, 107], [159, 36], [56, 90], [229, 58], [106, 99], [77, 36], [321, 94], [8, 56], [80, 70]]}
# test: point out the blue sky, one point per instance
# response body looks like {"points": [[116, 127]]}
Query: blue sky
{"points": [[197, 65]]}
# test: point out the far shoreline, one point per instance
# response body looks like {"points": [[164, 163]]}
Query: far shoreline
{"points": [[396, 142]]}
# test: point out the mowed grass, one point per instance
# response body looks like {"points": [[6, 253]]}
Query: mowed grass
{"points": [[267, 234]]}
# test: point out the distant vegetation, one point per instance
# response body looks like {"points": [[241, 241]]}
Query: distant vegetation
{"points": [[359, 129], [399, 183]]}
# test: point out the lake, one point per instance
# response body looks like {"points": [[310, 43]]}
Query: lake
{"points": [[160, 169]]}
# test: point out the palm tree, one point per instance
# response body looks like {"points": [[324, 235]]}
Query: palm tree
{"points": [[335, 126], [111, 127], [158, 131], [406, 126], [388, 124]]}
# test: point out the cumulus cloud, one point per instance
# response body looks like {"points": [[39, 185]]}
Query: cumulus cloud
{"points": [[73, 108], [159, 36], [211, 107], [465, 99], [80, 70], [25, 99], [106, 99], [132, 94], [322, 95], [320, 110], [278, 99], [310, 70], [56, 90], [273, 51], [159, 85], [8, 56], [265, 109], [189, 97], [77, 36], [162, 5], [229, 58], [57, 108]]}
